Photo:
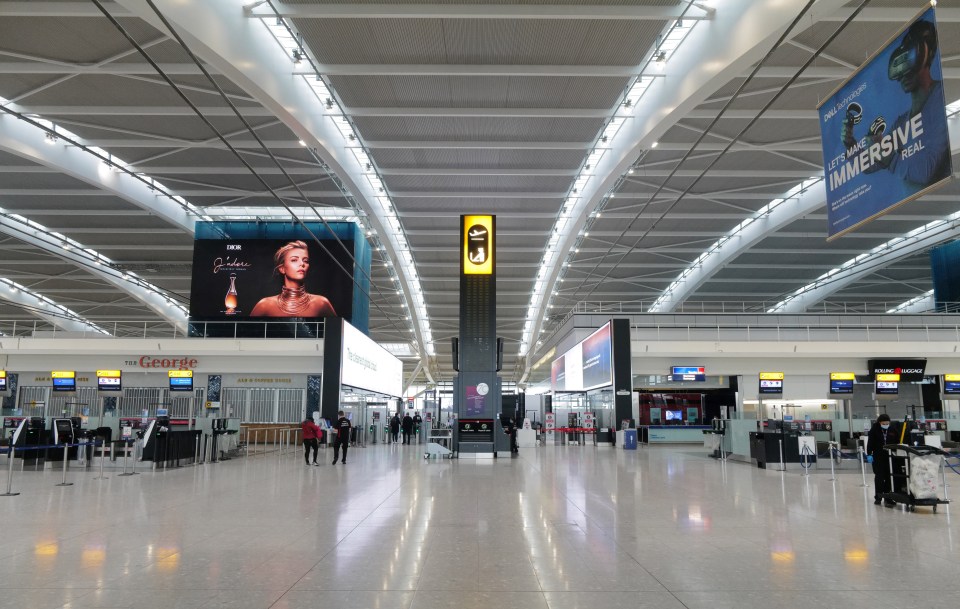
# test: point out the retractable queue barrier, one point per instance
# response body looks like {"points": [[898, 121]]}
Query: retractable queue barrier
{"points": [[11, 451]]}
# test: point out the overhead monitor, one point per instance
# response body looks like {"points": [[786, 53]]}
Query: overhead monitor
{"points": [[108, 380], [64, 380], [888, 388], [366, 365], [841, 383], [586, 366], [951, 384], [673, 415], [3, 381], [180, 380], [771, 383]]}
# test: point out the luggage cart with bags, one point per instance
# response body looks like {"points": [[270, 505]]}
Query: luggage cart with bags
{"points": [[916, 473]]}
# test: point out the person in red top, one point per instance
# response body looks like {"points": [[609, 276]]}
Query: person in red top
{"points": [[311, 433]]}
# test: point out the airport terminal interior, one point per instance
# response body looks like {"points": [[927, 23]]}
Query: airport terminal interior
{"points": [[505, 303]]}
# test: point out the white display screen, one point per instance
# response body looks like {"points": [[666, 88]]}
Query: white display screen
{"points": [[588, 365], [366, 365]]}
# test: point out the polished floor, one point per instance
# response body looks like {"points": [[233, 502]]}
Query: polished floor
{"points": [[558, 528]]}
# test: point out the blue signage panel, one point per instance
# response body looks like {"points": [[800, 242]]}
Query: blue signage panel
{"points": [[844, 386], [884, 131]]}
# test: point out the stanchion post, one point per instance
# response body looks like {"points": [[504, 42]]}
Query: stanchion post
{"points": [[783, 466], [64, 482], [10, 492], [102, 445], [136, 452], [863, 461], [833, 446], [125, 451]]}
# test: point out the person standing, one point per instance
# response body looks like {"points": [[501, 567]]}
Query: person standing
{"points": [[417, 422], [879, 436], [311, 433], [395, 427], [407, 426], [343, 427]]}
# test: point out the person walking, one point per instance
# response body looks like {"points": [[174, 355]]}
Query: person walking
{"points": [[407, 425], [311, 433], [343, 427], [417, 422], [879, 436], [395, 427]]}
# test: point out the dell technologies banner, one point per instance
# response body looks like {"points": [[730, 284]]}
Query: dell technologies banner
{"points": [[884, 131], [589, 365], [280, 275]]}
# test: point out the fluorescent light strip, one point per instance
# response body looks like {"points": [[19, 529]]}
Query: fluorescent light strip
{"points": [[47, 303], [669, 42], [282, 34], [714, 250], [95, 258], [903, 307]]}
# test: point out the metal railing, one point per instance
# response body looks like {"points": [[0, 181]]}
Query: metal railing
{"points": [[38, 328], [261, 440]]}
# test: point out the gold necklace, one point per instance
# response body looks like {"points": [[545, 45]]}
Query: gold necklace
{"points": [[293, 300]]}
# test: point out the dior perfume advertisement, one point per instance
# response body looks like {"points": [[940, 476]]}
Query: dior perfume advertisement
{"points": [[237, 279]]}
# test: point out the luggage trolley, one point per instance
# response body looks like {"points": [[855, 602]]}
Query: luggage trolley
{"points": [[916, 473]]}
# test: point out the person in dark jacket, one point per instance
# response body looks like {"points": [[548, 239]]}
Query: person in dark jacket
{"points": [[310, 434], [407, 428], [881, 434], [395, 427], [342, 427]]}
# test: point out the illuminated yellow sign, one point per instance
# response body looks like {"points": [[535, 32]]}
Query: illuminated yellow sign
{"points": [[180, 374], [947, 377], [3, 374], [477, 245], [888, 378], [63, 374], [112, 374], [771, 376], [843, 376]]}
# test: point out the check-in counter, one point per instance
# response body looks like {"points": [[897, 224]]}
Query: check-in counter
{"points": [[672, 434]]}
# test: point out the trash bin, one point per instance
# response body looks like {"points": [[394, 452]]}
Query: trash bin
{"points": [[629, 439]]}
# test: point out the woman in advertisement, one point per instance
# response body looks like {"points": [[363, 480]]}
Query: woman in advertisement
{"points": [[291, 262]]}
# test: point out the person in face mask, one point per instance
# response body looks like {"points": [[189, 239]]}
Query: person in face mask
{"points": [[880, 435]]}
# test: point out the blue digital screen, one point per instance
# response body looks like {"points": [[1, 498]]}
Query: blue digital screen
{"points": [[841, 386], [699, 370], [674, 415], [951, 386], [181, 384], [771, 386], [3, 384], [64, 384]]}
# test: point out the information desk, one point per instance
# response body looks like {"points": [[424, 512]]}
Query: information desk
{"points": [[667, 434]]}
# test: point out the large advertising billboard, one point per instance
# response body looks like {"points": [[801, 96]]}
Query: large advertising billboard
{"points": [[588, 365], [884, 131], [366, 365], [239, 278]]}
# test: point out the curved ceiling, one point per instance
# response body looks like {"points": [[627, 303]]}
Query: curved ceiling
{"points": [[511, 108]]}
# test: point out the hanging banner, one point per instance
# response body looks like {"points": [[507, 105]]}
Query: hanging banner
{"points": [[884, 131]]}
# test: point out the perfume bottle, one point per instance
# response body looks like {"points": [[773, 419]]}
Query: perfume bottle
{"points": [[230, 300]]}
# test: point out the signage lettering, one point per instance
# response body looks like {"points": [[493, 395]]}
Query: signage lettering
{"points": [[180, 363]]}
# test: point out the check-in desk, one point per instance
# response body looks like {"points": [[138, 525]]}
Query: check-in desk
{"points": [[765, 447], [672, 434]]}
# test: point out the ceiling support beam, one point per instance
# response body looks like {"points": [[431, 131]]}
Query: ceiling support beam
{"points": [[482, 11]]}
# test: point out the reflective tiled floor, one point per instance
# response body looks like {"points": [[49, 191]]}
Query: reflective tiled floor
{"points": [[558, 528]]}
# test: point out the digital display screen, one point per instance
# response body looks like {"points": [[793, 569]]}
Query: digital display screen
{"points": [[366, 365], [679, 378], [951, 386], [271, 278], [685, 370], [181, 384], [841, 386], [771, 386], [3, 381], [888, 388], [108, 383], [65, 384], [673, 415], [588, 365]]}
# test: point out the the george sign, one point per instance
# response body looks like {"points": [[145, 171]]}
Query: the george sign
{"points": [[884, 130], [478, 245], [149, 361], [910, 370]]}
